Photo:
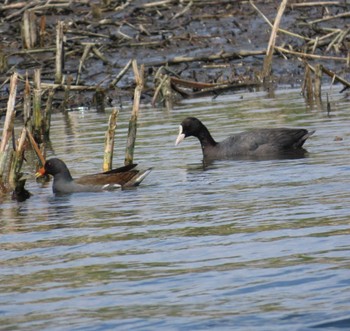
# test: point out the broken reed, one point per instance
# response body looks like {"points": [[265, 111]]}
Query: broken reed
{"points": [[5, 149], [11, 153], [130, 144], [109, 141]]}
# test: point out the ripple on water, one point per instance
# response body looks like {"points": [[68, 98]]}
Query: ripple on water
{"points": [[244, 244]]}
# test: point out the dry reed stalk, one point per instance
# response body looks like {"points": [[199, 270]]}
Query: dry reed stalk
{"points": [[328, 18], [121, 74], [37, 114], [42, 31], [36, 147], [67, 89], [29, 29], [130, 145], [59, 52], [17, 161], [318, 3], [311, 56], [47, 115], [270, 48], [109, 141], [86, 52], [279, 29], [3, 62], [8, 129], [27, 112], [318, 81], [307, 87], [206, 58]]}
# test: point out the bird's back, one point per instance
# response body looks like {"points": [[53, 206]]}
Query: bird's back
{"points": [[260, 143]]}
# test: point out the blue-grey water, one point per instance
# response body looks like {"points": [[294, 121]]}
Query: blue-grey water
{"points": [[240, 245]]}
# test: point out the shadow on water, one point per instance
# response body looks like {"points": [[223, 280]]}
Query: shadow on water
{"points": [[285, 155]]}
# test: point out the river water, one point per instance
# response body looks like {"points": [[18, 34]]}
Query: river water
{"points": [[239, 245]]}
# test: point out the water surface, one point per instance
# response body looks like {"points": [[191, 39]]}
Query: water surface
{"points": [[249, 245]]}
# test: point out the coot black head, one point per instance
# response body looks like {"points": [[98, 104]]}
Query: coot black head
{"points": [[192, 126]]}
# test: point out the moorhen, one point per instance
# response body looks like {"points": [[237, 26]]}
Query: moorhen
{"points": [[63, 182], [256, 143]]}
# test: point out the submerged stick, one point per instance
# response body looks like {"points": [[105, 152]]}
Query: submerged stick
{"points": [[130, 145], [109, 141], [270, 48]]}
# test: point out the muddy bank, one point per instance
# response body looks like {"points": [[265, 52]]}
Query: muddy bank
{"points": [[201, 41]]}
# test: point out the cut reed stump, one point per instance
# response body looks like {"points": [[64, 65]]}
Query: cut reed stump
{"points": [[130, 145], [59, 52], [109, 141], [29, 30], [11, 159], [37, 115], [15, 174], [27, 112], [5, 151]]}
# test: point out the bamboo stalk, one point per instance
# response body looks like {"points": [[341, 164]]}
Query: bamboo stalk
{"points": [[59, 52], [109, 141], [270, 48], [130, 146]]}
